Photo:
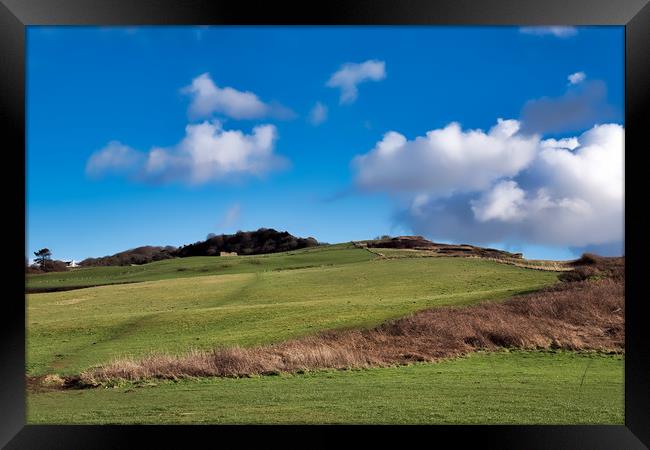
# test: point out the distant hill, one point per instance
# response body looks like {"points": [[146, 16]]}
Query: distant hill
{"points": [[138, 255], [420, 243], [268, 240], [264, 240]]}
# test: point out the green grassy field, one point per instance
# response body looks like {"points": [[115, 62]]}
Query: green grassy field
{"points": [[484, 388], [198, 266], [73, 330], [176, 305]]}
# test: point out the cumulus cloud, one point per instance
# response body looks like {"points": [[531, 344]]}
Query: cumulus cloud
{"points": [[318, 114], [581, 106], [115, 157], [208, 98], [557, 31], [504, 201], [568, 143], [577, 77], [509, 184], [352, 74], [593, 170], [445, 160], [208, 152], [575, 199]]}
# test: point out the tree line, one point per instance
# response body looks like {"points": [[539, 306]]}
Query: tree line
{"points": [[263, 240]]}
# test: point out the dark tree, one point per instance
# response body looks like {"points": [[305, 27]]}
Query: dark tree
{"points": [[264, 240], [42, 257]]}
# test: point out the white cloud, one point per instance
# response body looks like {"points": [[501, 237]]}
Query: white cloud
{"points": [[318, 114], [208, 98], [351, 74], [593, 170], [445, 160], [572, 194], [568, 143], [503, 202], [231, 216], [577, 77], [557, 31], [115, 157], [206, 153]]}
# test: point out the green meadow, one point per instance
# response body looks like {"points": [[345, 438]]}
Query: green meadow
{"points": [[483, 388], [72, 330], [176, 305], [199, 266]]}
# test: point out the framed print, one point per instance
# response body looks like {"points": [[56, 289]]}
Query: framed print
{"points": [[381, 218]]}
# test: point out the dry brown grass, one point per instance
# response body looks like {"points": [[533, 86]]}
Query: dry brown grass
{"points": [[583, 315], [590, 267]]}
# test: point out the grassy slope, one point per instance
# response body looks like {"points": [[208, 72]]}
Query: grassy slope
{"points": [[199, 266], [515, 388], [70, 331]]}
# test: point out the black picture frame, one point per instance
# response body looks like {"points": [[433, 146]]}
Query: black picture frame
{"points": [[15, 15]]}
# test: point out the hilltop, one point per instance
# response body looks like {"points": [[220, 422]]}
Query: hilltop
{"points": [[420, 243], [261, 241], [138, 255]]}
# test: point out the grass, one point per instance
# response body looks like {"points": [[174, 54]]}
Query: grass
{"points": [[201, 303], [198, 266], [586, 315], [484, 388], [67, 332], [538, 264]]}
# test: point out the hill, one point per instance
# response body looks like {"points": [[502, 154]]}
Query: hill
{"points": [[196, 266], [138, 255], [199, 304], [264, 240], [261, 241], [256, 300], [420, 243]]}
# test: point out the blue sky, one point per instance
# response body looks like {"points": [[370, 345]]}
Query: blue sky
{"points": [[105, 104]]}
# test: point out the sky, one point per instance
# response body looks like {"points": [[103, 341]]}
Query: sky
{"points": [[506, 137]]}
